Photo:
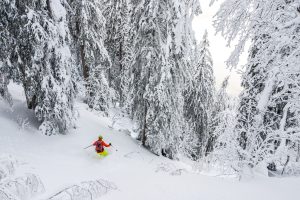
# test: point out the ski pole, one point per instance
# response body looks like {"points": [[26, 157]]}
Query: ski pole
{"points": [[114, 147], [88, 146]]}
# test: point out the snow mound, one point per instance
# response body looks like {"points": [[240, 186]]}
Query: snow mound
{"points": [[85, 191]]}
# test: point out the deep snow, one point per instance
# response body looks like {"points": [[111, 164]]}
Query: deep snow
{"points": [[60, 161]]}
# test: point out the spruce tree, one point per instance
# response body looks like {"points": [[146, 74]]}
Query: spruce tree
{"points": [[267, 124], [89, 32], [7, 11], [221, 107], [42, 62], [199, 96], [117, 30], [158, 73]]}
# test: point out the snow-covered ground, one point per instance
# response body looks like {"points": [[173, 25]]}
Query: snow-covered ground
{"points": [[130, 172]]}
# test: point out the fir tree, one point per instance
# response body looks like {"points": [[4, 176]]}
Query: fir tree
{"points": [[117, 41], [88, 29], [221, 103], [158, 73], [267, 123], [42, 62], [199, 96], [7, 11]]}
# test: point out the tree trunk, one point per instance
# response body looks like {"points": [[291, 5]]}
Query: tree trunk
{"points": [[85, 69], [121, 73], [31, 100], [287, 161], [298, 155], [144, 125]]}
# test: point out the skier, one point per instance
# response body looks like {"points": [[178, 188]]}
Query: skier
{"points": [[100, 144]]}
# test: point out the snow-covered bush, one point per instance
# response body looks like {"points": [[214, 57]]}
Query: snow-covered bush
{"points": [[225, 142], [7, 166], [292, 169], [90, 190], [170, 168], [23, 187], [4, 93], [23, 122]]}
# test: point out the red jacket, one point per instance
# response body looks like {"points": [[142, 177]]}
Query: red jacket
{"points": [[100, 144]]}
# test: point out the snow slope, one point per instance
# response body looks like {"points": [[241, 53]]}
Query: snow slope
{"points": [[61, 162]]}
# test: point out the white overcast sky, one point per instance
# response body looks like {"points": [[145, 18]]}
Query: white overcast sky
{"points": [[218, 48]]}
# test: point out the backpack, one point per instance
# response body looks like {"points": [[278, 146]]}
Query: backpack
{"points": [[100, 147]]}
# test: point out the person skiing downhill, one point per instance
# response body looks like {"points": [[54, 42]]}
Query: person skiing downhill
{"points": [[99, 146]]}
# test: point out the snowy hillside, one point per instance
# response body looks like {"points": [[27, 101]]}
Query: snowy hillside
{"points": [[63, 170], [132, 74]]}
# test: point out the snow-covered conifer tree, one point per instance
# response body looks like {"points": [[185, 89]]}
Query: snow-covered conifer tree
{"points": [[117, 17], [147, 69], [220, 104], [199, 95], [7, 11], [158, 73], [88, 30], [55, 92], [268, 125], [223, 147], [42, 62]]}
